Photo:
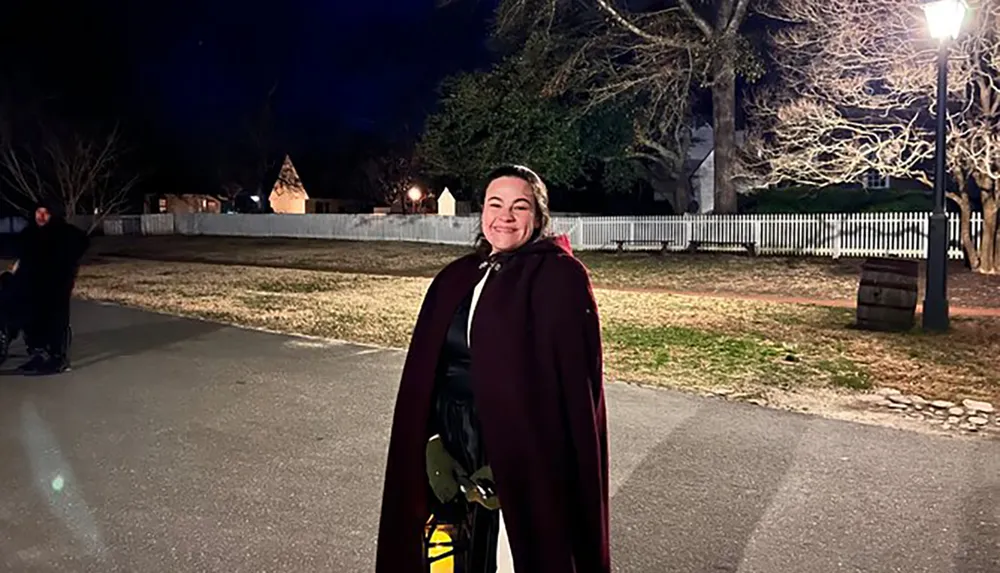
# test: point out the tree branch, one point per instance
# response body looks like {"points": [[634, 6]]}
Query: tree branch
{"points": [[84, 174], [625, 23], [739, 15], [700, 22]]}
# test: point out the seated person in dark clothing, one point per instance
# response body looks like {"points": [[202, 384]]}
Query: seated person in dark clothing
{"points": [[49, 250]]}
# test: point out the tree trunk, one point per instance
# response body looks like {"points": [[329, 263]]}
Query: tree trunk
{"points": [[680, 191], [965, 230], [667, 188], [724, 127], [682, 196], [988, 244], [996, 245]]}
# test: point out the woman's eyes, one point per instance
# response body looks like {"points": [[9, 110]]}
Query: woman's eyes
{"points": [[519, 207]]}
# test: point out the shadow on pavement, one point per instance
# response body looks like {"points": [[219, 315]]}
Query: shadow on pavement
{"points": [[979, 540], [99, 345], [94, 346], [681, 511]]}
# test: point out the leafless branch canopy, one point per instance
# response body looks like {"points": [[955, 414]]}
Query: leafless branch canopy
{"points": [[858, 83], [657, 59], [83, 173], [649, 61], [856, 90], [385, 177]]}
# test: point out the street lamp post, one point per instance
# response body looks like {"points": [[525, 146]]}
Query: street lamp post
{"points": [[944, 18]]}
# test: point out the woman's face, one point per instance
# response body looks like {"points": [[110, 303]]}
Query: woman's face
{"points": [[508, 214]]}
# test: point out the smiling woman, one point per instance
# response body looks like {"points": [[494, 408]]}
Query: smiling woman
{"points": [[499, 437]]}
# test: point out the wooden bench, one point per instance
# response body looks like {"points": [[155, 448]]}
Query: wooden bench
{"points": [[664, 243], [750, 246]]}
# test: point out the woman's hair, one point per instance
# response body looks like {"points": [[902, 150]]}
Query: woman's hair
{"points": [[538, 189]]}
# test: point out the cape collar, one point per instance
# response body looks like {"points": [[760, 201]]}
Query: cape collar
{"points": [[541, 245]]}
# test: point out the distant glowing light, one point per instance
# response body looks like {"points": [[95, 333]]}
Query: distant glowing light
{"points": [[414, 193], [255, 198], [57, 483]]}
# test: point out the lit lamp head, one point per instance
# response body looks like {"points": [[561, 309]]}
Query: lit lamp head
{"points": [[944, 18], [414, 194]]}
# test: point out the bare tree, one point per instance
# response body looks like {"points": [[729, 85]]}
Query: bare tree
{"points": [[84, 174], [385, 177], [598, 65], [664, 56], [653, 81], [261, 133], [856, 90], [246, 163]]}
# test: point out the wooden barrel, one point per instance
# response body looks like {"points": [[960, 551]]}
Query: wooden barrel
{"points": [[887, 295]]}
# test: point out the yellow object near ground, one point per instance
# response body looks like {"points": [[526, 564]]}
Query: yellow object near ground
{"points": [[441, 543]]}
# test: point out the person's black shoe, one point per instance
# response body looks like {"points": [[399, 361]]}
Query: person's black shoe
{"points": [[53, 365], [36, 361]]}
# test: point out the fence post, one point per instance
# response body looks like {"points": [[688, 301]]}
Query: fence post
{"points": [[838, 232], [631, 231], [757, 234], [688, 230], [925, 224]]}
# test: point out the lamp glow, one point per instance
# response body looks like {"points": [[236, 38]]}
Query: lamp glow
{"points": [[945, 18], [414, 194]]}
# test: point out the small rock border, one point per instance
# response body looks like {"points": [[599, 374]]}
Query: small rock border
{"points": [[969, 417], [755, 398]]}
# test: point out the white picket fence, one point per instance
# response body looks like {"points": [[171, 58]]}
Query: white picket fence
{"points": [[158, 224], [834, 235]]}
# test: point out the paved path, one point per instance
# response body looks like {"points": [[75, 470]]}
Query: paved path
{"points": [[182, 446]]}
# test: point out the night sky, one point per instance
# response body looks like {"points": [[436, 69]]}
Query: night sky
{"points": [[185, 75]]}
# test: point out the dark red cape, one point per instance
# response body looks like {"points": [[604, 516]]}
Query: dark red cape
{"points": [[538, 378]]}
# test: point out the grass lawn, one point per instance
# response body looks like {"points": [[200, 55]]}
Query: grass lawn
{"points": [[651, 337], [803, 277]]}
